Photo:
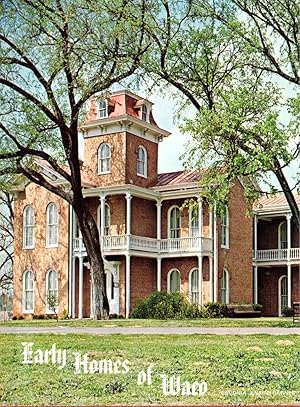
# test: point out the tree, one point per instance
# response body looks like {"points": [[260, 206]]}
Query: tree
{"points": [[6, 241], [209, 53], [54, 55]]}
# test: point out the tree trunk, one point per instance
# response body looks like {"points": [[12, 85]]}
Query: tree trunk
{"points": [[91, 241]]}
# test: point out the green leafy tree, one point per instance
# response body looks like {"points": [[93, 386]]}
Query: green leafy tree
{"points": [[54, 55], [213, 56]]}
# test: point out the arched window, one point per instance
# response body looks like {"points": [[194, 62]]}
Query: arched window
{"points": [[194, 286], [104, 155], [51, 291], [102, 109], [28, 291], [282, 236], [282, 293], [174, 223], [142, 161], [52, 225], [225, 287], [194, 221], [174, 281], [144, 113], [28, 227], [225, 229], [106, 219]]}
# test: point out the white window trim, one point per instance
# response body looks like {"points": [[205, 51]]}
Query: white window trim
{"points": [[107, 226], [169, 222], [169, 280], [24, 310], [107, 158], [48, 244], [25, 246], [279, 233], [145, 175], [279, 293], [190, 285], [226, 272], [98, 109], [49, 311], [226, 245], [191, 221]]}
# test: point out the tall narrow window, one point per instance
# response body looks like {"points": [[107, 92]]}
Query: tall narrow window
{"points": [[282, 236], [225, 229], [283, 293], [142, 161], [104, 155], [144, 113], [51, 291], [225, 287], [194, 285], [106, 220], [174, 281], [194, 222], [102, 109], [28, 227], [174, 223], [28, 291], [52, 225]]}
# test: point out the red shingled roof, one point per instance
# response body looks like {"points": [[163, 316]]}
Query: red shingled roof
{"points": [[275, 200], [177, 177]]}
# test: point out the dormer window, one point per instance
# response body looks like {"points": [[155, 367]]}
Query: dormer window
{"points": [[144, 113], [142, 161], [102, 109], [104, 155]]}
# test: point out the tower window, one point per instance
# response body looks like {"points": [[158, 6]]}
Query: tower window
{"points": [[102, 109], [142, 161], [144, 113], [104, 155]]}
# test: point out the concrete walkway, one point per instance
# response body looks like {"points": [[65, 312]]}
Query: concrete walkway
{"points": [[63, 330]]}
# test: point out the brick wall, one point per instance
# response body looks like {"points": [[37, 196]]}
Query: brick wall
{"points": [[143, 217], [40, 259]]}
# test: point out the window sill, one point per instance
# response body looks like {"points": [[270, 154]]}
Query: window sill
{"points": [[51, 246], [28, 247], [104, 173], [141, 175], [27, 312], [224, 247]]}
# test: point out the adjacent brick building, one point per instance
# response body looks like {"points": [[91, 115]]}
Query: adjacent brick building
{"points": [[149, 240]]}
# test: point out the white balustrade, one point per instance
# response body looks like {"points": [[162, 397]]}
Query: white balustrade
{"points": [[277, 254]]}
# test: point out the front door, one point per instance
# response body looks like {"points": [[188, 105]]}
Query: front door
{"points": [[112, 286], [283, 294]]}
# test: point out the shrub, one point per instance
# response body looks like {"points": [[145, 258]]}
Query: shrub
{"points": [[257, 307], [287, 311], [162, 305], [216, 310]]}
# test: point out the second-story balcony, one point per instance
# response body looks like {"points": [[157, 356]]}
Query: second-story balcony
{"points": [[277, 255], [121, 243]]}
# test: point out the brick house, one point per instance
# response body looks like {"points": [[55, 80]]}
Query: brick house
{"points": [[149, 240], [276, 258]]}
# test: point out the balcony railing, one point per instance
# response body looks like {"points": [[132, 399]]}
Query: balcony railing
{"points": [[277, 255], [146, 244]]}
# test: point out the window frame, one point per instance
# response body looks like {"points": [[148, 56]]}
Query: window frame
{"points": [[25, 292], [194, 293], [280, 294], [107, 219], [144, 113], [52, 270], [174, 270], [170, 230], [54, 225], [225, 230], [102, 111], [280, 234], [194, 230], [225, 288], [142, 161], [102, 159], [30, 226]]}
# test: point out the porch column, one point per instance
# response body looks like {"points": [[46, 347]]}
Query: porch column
{"points": [[216, 258], [71, 253], [255, 286], [102, 216], [200, 225], [127, 286], [128, 213], [211, 221], [289, 237], [289, 282], [80, 288], [211, 283], [158, 274], [73, 288], [158, 219], [255, 235], [200, 280]]}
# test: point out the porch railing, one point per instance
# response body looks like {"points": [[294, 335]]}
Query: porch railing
{"points": [[277, 254]]}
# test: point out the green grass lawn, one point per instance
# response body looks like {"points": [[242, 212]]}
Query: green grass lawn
{"points": [[203, 322], [237, 369]]}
